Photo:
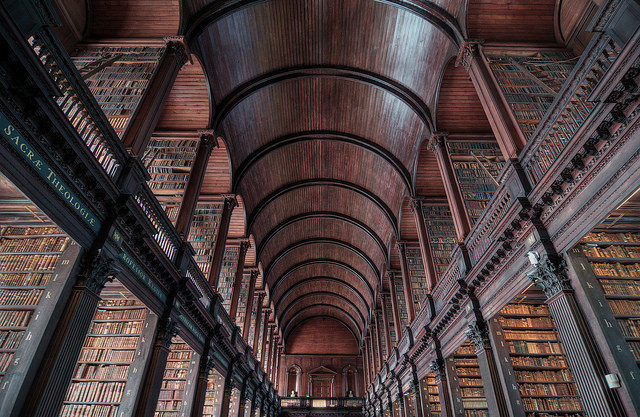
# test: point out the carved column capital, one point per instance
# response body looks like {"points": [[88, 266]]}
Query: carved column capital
{"points": [[468, 50], [230, 202], [416, 205], [551, 276], [402, 246], [479, 335], [245, 244], [208, 138], [209, 365], [177, 46], [437, 367], [436, 141], [168, 329], [98, 270]]}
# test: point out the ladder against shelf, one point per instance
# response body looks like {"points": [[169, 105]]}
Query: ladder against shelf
{"points": [[213, 396], [117, 84], [477, 164], [545, 382], [430, 395], [442, 234], [105, 362]]}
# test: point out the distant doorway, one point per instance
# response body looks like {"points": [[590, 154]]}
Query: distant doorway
{"points": [[322, 381]]}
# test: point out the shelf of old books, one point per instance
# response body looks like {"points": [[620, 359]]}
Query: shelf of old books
{"points": [[227, 274], [430, 395], [117, 76], [544, 380], [204, 232], [174, 380], [242, 299], [396, 408], [383, 339], [467, 370], [400, 302], [392, 326], [109, 348], [442, 234], [477, 164], [234, 402], [28, 257], [409, 401], [417, 274], [213, 396]]}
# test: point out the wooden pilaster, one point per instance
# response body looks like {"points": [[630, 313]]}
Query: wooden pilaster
{"points": [[229, 383], [453, 388], [188, 399], [145, 118], [200, 391], [49, 385], [256, 328], [421, 410], [196, 177], [385, 321], [438, 368], [230, 203], [251, 294], [503, 124], [378, 333], [265, 325], [425, 246], [237, 279], [452, 189], [406, 283], [397, 323]]}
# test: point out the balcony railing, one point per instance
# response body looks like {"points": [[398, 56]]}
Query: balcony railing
{"points": [[321, 402]]}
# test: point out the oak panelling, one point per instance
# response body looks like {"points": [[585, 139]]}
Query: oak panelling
{"points": [[310, 337], [408, 228], [317, 228], [134, 18], [317, 103], [322, 159], [428, 182], [321, 199], [282, 283], [326, 298], [319, 287], [322, 32], [459, 109], [188, 104], [511, 21], [217, 179], [321, 311]]}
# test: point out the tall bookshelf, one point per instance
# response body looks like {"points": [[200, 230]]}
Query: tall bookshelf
{"points": [[383, 340], [467, 371], [477, 165], [409, 401], [392, 326], [204, 232], [234, 402], [252, 324], [119, 85], [213, 396], [168, 161], [227, 274], [174, 381], [430, 395], [402, 305], [260, 325], [28, 257], [103, 367], [442, 234], [396, 409], [531, 83], [545, 383], [418, 276], [242, 300]]}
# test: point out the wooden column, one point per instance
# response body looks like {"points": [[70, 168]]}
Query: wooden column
{"points": [[229, 383], [425, 246], [438, 368], [191, 385], [372, 352], [265, 325], [237, 279], [251, 294], [365, 365], [580, 348], [453, 388], [503, 124], [256, 328], [491, 381], [406, 283], [196, 177], [242, 398], [274, 355], [378, 335], [452, 189], [394, 306], [145, 118], [421, 410], [401, 403], [385, 321], [56, 369], [230, 203], [206, 366]]}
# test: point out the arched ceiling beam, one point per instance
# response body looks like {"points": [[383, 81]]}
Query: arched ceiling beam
{"points": [[315, 261], [318, 240], [320, 215], [425, 9], [325, 295], [327, 135], [320, 182], [285, 326], [323, 316], [381, 82], [337, 281]]}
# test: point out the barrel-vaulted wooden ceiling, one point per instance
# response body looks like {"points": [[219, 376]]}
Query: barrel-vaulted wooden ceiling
{"points": [[325, 107]]}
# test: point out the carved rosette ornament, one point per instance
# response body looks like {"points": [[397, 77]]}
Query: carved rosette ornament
{"points": [[551, 276], [479, 335], [98, 271]]}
